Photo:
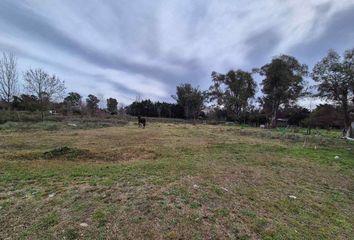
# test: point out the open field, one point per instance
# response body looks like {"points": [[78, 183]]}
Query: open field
{"points": [[173, 181]]}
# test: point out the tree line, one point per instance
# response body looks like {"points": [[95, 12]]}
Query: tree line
{"points": [[231, 95]]}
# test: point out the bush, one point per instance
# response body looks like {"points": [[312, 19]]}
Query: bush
{"points": [[65, 152], [9, 125], [49, 126]]}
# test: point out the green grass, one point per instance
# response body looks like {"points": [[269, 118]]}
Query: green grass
{"points": [[173, 182]]}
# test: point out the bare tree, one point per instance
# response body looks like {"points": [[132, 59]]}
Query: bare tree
{"points": [[38, 82], [8, 77], [44, 86]]}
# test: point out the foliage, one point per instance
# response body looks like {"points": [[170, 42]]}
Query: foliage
{"points": [[112, 105], [335, 76], [92, 103], [191, 99], [232, 91], [148, 108], [67, 152], [26, 103], [283, 83], [144, 108], [326, 116], [73, 99], [72, 104], [294, 114]]}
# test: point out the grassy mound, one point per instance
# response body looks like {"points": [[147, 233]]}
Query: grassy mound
{"points": [[65, 152]]}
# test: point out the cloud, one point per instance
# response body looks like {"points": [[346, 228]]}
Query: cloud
{"points": [[129, 48], [338, 35]]}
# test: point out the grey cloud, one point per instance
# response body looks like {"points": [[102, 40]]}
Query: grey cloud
{"points": [[262, 45], [136, 26], [33, 26], [72, 70], [324, 7], [339, 35]]}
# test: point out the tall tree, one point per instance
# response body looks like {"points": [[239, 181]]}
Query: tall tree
{"points": [[44, 86], [92, 103], [283, 83], [112, 105], [335, 76], [73, 101], [8, 77], [191, 99], [232, 91], [142, 107], [73, 98]]}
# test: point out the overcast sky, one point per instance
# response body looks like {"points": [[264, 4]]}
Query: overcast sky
{"points": [[126, 48]]}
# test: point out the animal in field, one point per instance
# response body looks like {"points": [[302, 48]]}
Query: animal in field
{"points": [[141, 122]]}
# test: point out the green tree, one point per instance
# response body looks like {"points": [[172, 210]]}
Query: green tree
{"points": [[327, 116], [73, 98], [112, 105], [92, 103], [26, 102], [191, 99], [335, 76], [72, 102], [283, 83], [232, 91]]}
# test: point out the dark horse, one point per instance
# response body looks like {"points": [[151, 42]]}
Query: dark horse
{"points": [[141, 122]]}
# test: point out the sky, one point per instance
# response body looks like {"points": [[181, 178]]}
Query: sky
{"points": [[143, 48]]}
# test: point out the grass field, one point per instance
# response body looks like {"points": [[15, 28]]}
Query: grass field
{"points": [[173, 181]]}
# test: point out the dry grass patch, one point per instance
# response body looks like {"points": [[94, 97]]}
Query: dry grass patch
{"points": [[172, 181]]}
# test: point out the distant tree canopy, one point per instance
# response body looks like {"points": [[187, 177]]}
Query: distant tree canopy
{"points": [[283, 83], [232, 91], [73, 99], [25, 103], [295, 114], [143, 108], [148, 108], [92, 103], [229, 98], [326, 116], [72, 102], [112, 105], [335, 76], [190, 99]]}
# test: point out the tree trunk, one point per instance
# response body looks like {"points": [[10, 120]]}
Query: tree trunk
{"points": [[351, 130], [274, 118], [347, 122], [346, 115], [273, 122]]}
